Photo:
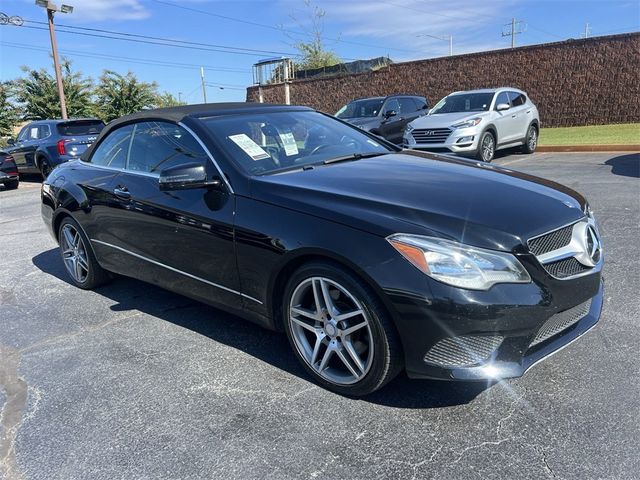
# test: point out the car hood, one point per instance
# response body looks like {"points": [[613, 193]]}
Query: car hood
{"points": [[443, 120], [414, 192]]}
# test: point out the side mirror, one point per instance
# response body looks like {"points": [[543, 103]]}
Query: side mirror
{"points": [[183, 177], [390, 113], [502, 106], [11, 142]]}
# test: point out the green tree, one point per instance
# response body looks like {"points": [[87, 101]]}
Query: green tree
{"points": [[166, 99], [9, 112], [38, 93], [313, 52], [118, 95]]}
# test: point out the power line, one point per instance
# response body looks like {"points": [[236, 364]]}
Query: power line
{"points": [[142, 61], [279, 29], [164, 43], [516, 27]]}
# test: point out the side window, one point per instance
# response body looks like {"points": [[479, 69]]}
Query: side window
{"points": [[112, 151], [421, 103], [45, 132], [407, 105], [392, 105], [502, 98], [33, 132], [160, 145], [24, 133], [517, 99]]}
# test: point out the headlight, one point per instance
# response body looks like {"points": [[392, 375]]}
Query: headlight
{"points": [[467, 123], [457, 264]]}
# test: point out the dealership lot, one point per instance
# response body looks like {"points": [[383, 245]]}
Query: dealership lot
{"points": [[131, 381]]}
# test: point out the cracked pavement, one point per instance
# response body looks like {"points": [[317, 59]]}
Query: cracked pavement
{"points": [[131, 381]]}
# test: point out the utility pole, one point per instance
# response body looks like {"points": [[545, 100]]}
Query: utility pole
{"points": [[587, 30], [204, 88], [51, 9], [516, 27]]}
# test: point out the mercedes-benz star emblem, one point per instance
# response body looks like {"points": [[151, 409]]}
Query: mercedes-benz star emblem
{"points": [[591, 247]]}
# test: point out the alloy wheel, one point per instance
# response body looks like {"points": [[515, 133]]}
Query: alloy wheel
{"points": [[74, 253], [532, 139], [331, 330], [488, 147]]}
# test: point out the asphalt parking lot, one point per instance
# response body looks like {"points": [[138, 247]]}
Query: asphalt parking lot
{"points": [[131, 381]]}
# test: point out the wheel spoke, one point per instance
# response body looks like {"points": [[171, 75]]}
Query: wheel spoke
{"points": [[68, 252], [347, 363], [350, 330], [83, 263], [78, 269], [326, 296], [304, 324], [68, 236], [316, 348], [325, 359], [317, 294], [348, 315], [348, 346], [76, 240], [304, 313]]}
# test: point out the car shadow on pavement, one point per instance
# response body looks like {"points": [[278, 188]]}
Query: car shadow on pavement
{"points": [[625, 165], [268, 346]]}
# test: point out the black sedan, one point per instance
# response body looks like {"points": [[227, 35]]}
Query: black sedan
{"points": [[370, 258]]}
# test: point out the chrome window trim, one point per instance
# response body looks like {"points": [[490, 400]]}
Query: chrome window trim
{"points": [[142, 257], [204, 147]]}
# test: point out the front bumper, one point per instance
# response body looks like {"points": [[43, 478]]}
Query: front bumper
{"points": [[455, 334], [461, 140]]}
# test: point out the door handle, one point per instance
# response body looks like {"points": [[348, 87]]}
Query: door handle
{"points": [[122, 192]]}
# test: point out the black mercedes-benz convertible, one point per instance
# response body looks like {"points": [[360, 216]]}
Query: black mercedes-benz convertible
{"points": [[372, 259]]}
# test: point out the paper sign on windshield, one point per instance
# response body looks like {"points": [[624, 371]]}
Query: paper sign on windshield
{"points": [[249, 147], [290, 145]]}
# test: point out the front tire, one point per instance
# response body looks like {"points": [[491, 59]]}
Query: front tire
{"points": [[78, 258], [531, 142], [486, 147], [339, 330]]}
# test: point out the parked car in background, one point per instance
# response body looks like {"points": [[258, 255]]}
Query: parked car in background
{"points": [[477, 123], [371, 258], [44, 144], [8, 172], [384, 116]]}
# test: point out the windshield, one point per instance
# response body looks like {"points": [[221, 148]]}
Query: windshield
{"points": [[361, 108], [263, 143], [463, 102], [83, 127]]}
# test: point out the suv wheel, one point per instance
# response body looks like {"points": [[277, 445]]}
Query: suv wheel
{"points": [[45, 168], [486, 147], [339, 330], [531, 141]]}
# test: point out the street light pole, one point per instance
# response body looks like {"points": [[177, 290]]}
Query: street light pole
{"points": [[51, 9]]}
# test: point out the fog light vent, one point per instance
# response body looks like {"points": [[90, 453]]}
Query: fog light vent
{"points": [[561, 321], [462, 351]]}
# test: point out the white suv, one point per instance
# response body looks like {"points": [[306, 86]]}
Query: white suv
{"points": [[477, 123]]}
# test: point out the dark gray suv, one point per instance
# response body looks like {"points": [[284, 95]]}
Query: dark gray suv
{"points": [[384, 116], [44, 144]]}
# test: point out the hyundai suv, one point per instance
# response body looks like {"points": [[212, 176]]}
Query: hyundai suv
{"points": [[44, 144], [477, 123], [386, 117]]}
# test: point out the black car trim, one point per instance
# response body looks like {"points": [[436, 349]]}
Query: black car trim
{"points": [[142, 257]]}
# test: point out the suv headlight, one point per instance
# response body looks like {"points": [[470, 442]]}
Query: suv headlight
{"points": [[457, 264], [467, 123]]}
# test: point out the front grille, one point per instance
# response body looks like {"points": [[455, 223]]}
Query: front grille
{"points": [[567, 267], [462, 351], [561, 321], [551, 241], [431, 135]]}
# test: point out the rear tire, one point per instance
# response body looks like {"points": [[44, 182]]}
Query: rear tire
{"points": [[12, 185], [531, 142], [486, 147], [45, 168], [78, 257], [350, 346]]}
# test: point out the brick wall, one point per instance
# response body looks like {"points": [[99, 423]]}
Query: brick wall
{"points": [[577, 82]]}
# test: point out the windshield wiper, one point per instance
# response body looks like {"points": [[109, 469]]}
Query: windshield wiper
{"points": [[353, 156]]}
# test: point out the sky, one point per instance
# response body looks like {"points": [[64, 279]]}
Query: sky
{"points": [[356, 29]]}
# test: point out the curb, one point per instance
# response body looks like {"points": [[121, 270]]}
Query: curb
{"points": [[588, 148]]}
